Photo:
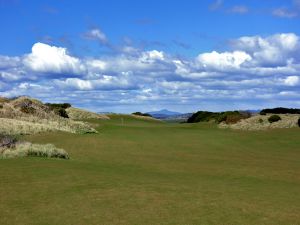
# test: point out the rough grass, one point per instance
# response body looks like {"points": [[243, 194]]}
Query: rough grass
{"points": [[79, 114], [148, 172], [33, 125], [25, 149], [36, 117], [260, 122]]}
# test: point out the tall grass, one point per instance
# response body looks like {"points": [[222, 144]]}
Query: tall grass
{"points": [[24, 149], [37, 118], [78, 114], [32, 125], [260, 122]]}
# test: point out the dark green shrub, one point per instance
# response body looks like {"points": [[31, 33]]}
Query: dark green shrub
{"points": [[141, 114], [260, 120], [61, 112], [274, 118], [228, 117], [299, 122], [59, 105], [280, 110], [59, 108]]}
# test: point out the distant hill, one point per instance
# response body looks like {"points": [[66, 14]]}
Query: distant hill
{"points": [[163, 114]]}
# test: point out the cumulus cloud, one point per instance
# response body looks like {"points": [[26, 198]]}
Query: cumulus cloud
{"points": [[276, 50], [225, 60], [252, 70], [50, 59]]}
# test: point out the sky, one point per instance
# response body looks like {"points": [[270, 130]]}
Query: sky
{"points": [[127, 56]]}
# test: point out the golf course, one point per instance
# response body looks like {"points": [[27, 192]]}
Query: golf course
{"points": [[137, 171]]}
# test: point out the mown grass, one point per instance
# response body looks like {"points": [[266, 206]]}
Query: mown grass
{"points": [[147, 172]]}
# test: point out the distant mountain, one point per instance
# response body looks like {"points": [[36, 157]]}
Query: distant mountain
{"points": [[162, 114]]}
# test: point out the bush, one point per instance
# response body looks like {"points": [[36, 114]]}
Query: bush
{"points": [[280, 110], [274, 118], [260, 120], [141, 114], [299, 122], [59, 109], [228, 117], [61, 112]]}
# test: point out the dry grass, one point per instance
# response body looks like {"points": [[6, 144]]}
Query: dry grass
{"points": [[79, 114], [260, 122], [24, 149], [14, 121]]}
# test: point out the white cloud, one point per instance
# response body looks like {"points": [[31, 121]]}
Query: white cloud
{"points": [[96, 34], [284, 13], [275, 50], [250, 70], [50, 59], [292, 80], [225, 60]]}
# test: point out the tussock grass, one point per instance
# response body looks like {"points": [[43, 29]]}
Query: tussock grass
{"points": [[24, 149], [79, 114], [35, 125], [36, 118], [260, 122]]}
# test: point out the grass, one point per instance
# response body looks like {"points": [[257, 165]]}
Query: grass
{"points": [[261, 122], [25, 149], [147, 172], [25, 115], [79, 114]]}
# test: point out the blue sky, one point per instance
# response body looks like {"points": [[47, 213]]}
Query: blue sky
{"points": [[126, 56]]}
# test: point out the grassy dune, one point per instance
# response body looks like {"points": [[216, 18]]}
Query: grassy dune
{"points": [[148, 172], [25, 115], [79, 114]]}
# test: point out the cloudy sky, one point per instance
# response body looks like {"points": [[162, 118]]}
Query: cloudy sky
{"points": [[125, 56]]}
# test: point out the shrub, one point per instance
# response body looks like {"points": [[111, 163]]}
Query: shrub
{"points": [[280, 110], [228, 117], [61, 112], [59, 109], [299, 122], [141, 114], [274, 118], [260, 120]]}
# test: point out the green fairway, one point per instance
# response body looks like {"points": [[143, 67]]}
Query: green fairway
{"points": [[137, 172]]}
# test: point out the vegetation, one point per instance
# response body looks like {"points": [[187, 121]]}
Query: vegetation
{"points": [[28, 116], [279, 110], [25, 149], [299, 122], [274, 118], [228, 117], [59, 109], [260, 122], [141, 114], [149, 172], [7, 141], [80, 114]]}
